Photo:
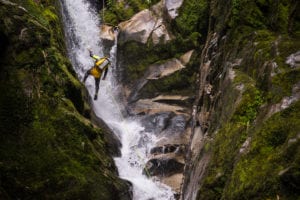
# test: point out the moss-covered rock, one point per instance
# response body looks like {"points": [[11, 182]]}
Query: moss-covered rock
{"points": [[137, 57], [251, 150], [274, 156], [48, 150]]}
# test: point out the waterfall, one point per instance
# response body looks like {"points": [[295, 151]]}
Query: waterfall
{"points": [[81, 24]]}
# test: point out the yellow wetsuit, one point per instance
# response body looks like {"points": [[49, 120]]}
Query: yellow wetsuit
{"points": [[96, 71]]}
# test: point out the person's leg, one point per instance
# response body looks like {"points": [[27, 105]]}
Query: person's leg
{"points": [[86, 75], [105, 73], [97, 83]]}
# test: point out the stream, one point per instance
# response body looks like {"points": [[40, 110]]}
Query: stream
{"points": [[82, 32]]}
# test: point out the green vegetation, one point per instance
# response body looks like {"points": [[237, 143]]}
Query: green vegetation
{"points": [[231, 136], [252, 16], [260, 14], [52, 154], [118, 11], [248, 107], [192, 20], [262, 34], [273, 156], [282, 85], [258, 33], [189, 29], [180, 83], [270, 154], [48, 150]]}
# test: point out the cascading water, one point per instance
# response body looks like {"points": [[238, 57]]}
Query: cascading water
{"points": [[82, 32]]}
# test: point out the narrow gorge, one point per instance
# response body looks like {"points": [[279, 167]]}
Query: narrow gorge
{"points": [[201, 100]]}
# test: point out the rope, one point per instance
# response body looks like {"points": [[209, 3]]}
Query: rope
{"points": [[103, 11]]}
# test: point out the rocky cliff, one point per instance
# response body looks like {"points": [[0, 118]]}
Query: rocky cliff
{"points": [[247, 104], [218, 81], [158, 58], [49, 149]]}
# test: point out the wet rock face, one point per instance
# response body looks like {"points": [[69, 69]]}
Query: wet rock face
{"points": [[166, 124], [177, 126], [157, 122], [166, 160], [163, 167], [113, 143], [166, 115], [169, 148]]}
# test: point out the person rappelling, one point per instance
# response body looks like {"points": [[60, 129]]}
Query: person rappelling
{"points": [[101, 64]]}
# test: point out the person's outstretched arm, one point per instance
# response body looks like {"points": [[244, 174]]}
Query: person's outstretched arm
{"points": [[94, 56]]}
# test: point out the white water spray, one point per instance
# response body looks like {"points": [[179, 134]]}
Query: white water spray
{"points": [[82, 32]]}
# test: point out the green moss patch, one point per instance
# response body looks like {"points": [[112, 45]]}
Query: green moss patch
{"points": [[271, 153], [48, 150]]}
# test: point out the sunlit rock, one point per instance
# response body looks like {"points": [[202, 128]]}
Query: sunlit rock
{"points": [[171, 99], [157, 122], [174, 181], [245, 147], [163, 167], [185, 58], [196, 140], [172, 7], [293, 60], [158, 71], [147, 106], [286, 101], [107, 33], [164, 69], [145, 25], [294, 140]]}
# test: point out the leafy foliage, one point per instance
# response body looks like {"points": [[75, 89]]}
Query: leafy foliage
{"points": [[118, 11], [192, 18]]}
